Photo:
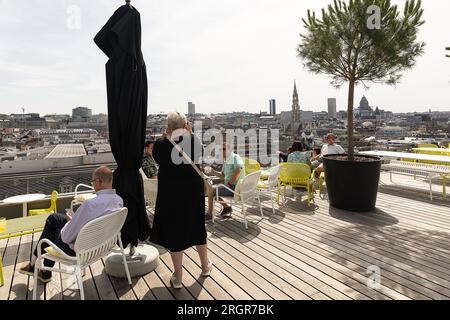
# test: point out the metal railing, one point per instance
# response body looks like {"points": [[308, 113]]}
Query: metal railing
{"points": [[63, 180]]}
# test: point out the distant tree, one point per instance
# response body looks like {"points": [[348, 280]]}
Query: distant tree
{"points": [[362, 41]]}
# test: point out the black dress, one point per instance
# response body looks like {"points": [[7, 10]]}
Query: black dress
{"points": [[179, 221]]}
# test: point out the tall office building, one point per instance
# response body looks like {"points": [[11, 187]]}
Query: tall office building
{"points": [[273, 107], [191, 109], [332, 112], [81, 114]]}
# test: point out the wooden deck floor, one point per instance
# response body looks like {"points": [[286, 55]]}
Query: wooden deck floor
{"points": [[298, 253]]}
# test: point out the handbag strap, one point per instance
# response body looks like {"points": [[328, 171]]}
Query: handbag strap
{"points": [[185, 156]]}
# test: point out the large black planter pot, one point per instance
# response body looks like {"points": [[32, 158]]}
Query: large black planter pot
{"points": [[352, 186]]}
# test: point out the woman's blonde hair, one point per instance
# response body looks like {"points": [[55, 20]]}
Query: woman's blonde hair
{"points": [[176, 120]]}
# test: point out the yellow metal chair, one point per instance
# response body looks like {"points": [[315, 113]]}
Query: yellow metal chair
{"points": [[297, 175], [321, 183], [251, 166], [426, 145], [51, 209], [20, 227]]}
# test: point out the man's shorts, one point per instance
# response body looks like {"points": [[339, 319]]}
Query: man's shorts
{"points": [[222, 191]]}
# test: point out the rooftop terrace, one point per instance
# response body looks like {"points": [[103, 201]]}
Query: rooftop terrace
{"points": [[298, 253]]}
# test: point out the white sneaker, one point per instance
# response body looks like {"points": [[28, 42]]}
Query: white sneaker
{"points": [[175, 283], [209, 269]]}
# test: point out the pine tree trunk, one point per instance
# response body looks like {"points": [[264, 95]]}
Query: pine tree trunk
{"points": [[351, 96]]}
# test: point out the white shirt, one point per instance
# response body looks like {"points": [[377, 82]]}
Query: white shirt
{"points": [[331, 149], [106, 202]]}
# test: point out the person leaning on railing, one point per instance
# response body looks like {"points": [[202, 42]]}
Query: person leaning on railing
{"points": [[63, 230]]}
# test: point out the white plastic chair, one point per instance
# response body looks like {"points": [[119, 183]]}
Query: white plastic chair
{"points": [[150, 189], [273, 182], [96, 240], [248, 190], [81, 197]]}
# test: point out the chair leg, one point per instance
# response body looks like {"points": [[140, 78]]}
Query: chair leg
{"points": [[35, 279], [444, 186], [271, 200], [260, 208], [309, 195], [125, 264], [2, 278], [245, 215], [431, 189], [80, 282]]}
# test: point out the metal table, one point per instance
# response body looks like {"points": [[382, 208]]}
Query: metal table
{"points": [[24, 199]]}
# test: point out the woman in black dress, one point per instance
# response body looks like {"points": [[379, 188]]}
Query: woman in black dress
{"points": [[179, 221]]}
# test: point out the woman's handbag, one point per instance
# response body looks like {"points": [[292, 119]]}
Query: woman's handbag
{"points": [[207, 183]]}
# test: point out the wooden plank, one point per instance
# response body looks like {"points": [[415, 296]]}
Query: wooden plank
{"points": [[317, 249], [317, 278], [270, 277], [266, 276], [190, 263], [141, 289], [19, 289], [102, 282], [248, 276], [90, 289], [69, 287], [241, 274], [158, 289], [195, 289], [9, 262], [334, 244], [372, 219], [358, 281], [384, 238], [296, 284], [211, 283], [357, 236], [164, 273], [336, 236], [40, 286], [53, 289], [421, 216], [122, 288]]}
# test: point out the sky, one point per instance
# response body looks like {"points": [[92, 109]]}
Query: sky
{"points": [[223, 55]]}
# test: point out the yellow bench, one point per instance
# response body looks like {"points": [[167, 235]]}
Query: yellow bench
{"points": [[20, 227]]}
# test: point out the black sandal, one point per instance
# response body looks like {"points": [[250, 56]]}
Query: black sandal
{"points": [[226, 212]]}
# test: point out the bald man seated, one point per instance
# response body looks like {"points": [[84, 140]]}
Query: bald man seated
{"points": [[63, 230]]}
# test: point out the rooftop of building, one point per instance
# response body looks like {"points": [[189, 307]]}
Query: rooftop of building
{"points": [[67, 151]]}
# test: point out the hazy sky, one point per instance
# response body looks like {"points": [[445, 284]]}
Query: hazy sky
{"points": [[223, 55]]}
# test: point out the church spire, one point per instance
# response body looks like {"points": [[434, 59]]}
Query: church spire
{"points": [[295, 105]]}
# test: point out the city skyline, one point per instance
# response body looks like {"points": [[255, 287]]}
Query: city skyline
{"points": [[220, 58]]}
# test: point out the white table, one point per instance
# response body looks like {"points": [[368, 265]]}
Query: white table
{"points": [[24, 199], [407, 155]]}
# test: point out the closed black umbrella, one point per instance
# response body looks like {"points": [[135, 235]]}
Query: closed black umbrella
{"points": [[126, 79]]}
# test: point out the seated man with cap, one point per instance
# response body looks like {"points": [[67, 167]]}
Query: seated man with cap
{"points": [[329, 148]]}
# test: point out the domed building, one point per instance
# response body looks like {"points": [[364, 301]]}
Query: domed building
{"points": [[364, 111]]}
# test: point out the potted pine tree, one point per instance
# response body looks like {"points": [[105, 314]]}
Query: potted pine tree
{"points": [[358, 42]]}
